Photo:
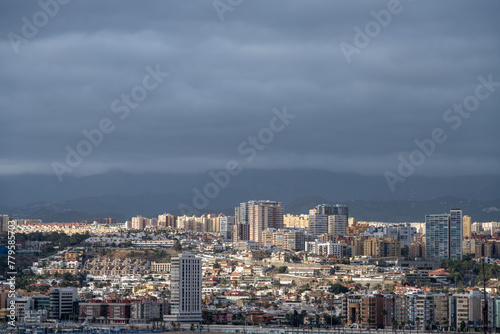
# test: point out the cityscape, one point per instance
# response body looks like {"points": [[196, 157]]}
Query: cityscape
{"points": [[260, 268], [249, 167]]}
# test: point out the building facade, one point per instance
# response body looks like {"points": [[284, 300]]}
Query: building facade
{"points": [[185, 289], [444, 235]]}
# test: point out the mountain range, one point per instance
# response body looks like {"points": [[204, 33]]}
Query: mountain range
{"points": [[122, 195]]}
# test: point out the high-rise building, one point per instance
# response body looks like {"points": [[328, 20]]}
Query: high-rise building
{"points": [[260, 215], [381, 247], [467, 223], [226, 227], [63, 302], [185, 289], [139, 223], [337, 225], [444, 235], [4, 223], [296, 221], [320, 223], [167, 220], [241, 232]]}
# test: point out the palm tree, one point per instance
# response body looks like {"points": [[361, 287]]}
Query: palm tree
{"points": [[384, 313], [394, 324]]}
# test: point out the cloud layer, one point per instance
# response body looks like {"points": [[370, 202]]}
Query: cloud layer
{"points": [[226, 77]]}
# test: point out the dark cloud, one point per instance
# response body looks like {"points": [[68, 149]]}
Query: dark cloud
{"points": [[227, 76]]}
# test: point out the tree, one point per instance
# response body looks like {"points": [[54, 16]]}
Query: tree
{"points": [[384, 313], [337, 288], [394, 324], [462, 326], [282, 269], [177, 246]]}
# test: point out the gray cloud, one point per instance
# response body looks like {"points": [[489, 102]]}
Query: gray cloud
{"points": [[226, 77]]}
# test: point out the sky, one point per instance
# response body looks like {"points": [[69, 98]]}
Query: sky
{"points": [[188, 86]]}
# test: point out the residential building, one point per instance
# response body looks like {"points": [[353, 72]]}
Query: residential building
{"points": [[185, 289], [416, 249], [295, 241], [301, 221], [465, 308], [467, 224], [167, 220], [260, 215], [381, 247], [226, 227], [241, 232], [4, 223], [318, 224], [139, 223], [145, 310], [337, 224], [444, 235], [157, 267]]}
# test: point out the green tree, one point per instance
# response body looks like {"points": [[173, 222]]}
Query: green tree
{"points": [[177, 246], [282, 269], [337, 288]]}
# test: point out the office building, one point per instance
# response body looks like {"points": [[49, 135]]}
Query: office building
{"points": [[63, 302], [444, 235], [185, 289]]}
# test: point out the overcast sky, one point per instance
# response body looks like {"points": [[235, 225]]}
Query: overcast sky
{"points": [[226, 77]]}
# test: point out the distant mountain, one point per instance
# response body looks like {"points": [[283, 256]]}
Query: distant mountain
{"points": [[385, 211], [123, 195], [404, 211]]}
